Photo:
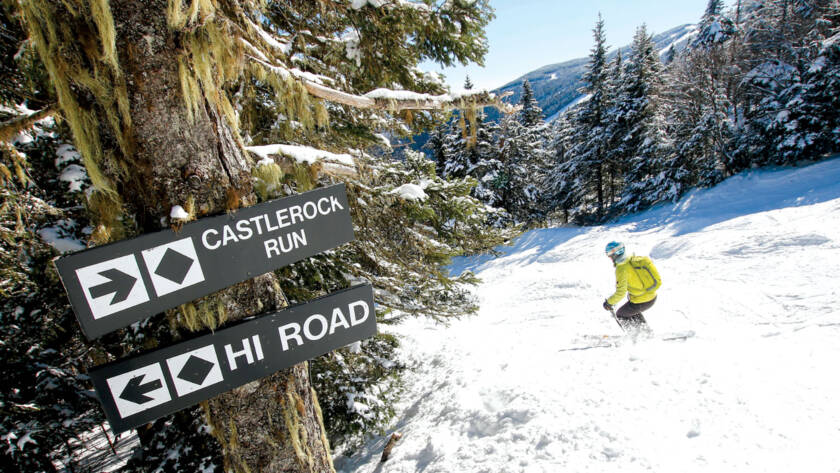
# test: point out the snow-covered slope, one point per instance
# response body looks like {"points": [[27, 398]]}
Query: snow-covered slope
{"points": [[751, 266]]}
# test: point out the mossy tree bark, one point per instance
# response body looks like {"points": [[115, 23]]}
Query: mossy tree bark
{"points": [[164, 158]]}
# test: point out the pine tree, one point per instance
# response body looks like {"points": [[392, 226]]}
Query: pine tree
{"points": [[585, 160], [781, 39], [639, 105], [715, 28], [808, 124], [617, 154], [594, 113], [524, 159], [560, 185], [531, 112]]}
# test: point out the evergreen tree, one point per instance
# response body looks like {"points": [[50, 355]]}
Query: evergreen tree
{"points": [[617, 153], [639, 106], [560, 189], [524, 159], [594, 114], [715, 28], [808, 124], [531, 113], [586, 161]]}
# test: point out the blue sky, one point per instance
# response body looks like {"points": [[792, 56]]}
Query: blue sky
{"points": [[529, 34]]}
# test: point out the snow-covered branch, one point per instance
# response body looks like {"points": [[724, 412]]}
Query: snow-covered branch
{"points": [[397, 100], [10, 128]]}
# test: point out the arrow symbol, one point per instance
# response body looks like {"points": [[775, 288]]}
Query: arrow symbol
{"points": [[119, 284], [136, 392]]}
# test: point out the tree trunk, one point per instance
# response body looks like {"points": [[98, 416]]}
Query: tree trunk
{"points": [[271, 425], [599, 181]]}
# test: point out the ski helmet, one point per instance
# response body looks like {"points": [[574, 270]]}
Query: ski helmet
{"points": [[615, 250]]}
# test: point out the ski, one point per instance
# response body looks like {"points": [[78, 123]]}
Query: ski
{"points": [[611, 341]]}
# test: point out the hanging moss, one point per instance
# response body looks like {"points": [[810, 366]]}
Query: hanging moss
{"points": [[320, 415], [210, 313], [322, 117], [189, 89], [106, 210], [17, 160], [101, 13], [294, 409], [79, 61], [267, 179], [306, 176]]}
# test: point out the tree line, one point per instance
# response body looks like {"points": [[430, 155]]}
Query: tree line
{"points": [[757, 85]]}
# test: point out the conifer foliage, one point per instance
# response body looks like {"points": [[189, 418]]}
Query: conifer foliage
{"points": [[160, 99], [757, 85]]}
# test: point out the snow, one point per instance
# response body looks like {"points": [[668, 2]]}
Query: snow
{"points": [[60, 236], [66, 154], [75, 176], [178, 213], [283, 46], [359, 4], [266, 161], [352, 51], [750, 265], [389, 94], [410, 192], [302, 154], [581, 99], [690, 32], [98, 454]]}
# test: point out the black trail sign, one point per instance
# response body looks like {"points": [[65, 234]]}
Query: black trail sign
{"points": [[135, 391], [113, 285]]}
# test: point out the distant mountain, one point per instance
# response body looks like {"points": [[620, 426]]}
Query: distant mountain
{"points": [[556, 85]]}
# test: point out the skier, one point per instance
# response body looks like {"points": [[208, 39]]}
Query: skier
{"points": [[638, 276]]}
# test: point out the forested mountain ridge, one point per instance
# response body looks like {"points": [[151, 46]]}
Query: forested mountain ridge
{"points": [[557, 85]]}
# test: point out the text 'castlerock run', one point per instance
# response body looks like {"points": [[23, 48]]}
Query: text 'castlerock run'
{"points": [[115, 285], [269, 223]]}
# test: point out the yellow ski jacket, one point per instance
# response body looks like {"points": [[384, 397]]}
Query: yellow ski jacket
{"points": [[639, 276]]}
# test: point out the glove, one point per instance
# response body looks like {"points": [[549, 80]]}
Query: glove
{"points": [[607, 305]]}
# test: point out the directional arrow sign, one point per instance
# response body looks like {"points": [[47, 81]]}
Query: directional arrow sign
{"points": [[138, 390], [135, 392], [119, 284], [115, 285]]}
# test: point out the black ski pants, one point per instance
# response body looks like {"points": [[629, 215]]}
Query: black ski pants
{"points": [[630, 314]]}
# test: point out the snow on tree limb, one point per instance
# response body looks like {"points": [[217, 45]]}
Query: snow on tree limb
{"points": [[11, 127], [397, 100]]}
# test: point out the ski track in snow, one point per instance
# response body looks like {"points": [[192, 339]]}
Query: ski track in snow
{"points": [[751, 266]]}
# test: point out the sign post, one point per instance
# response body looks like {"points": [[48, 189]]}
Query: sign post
{"points": [[114, 285], [137, 390]]}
